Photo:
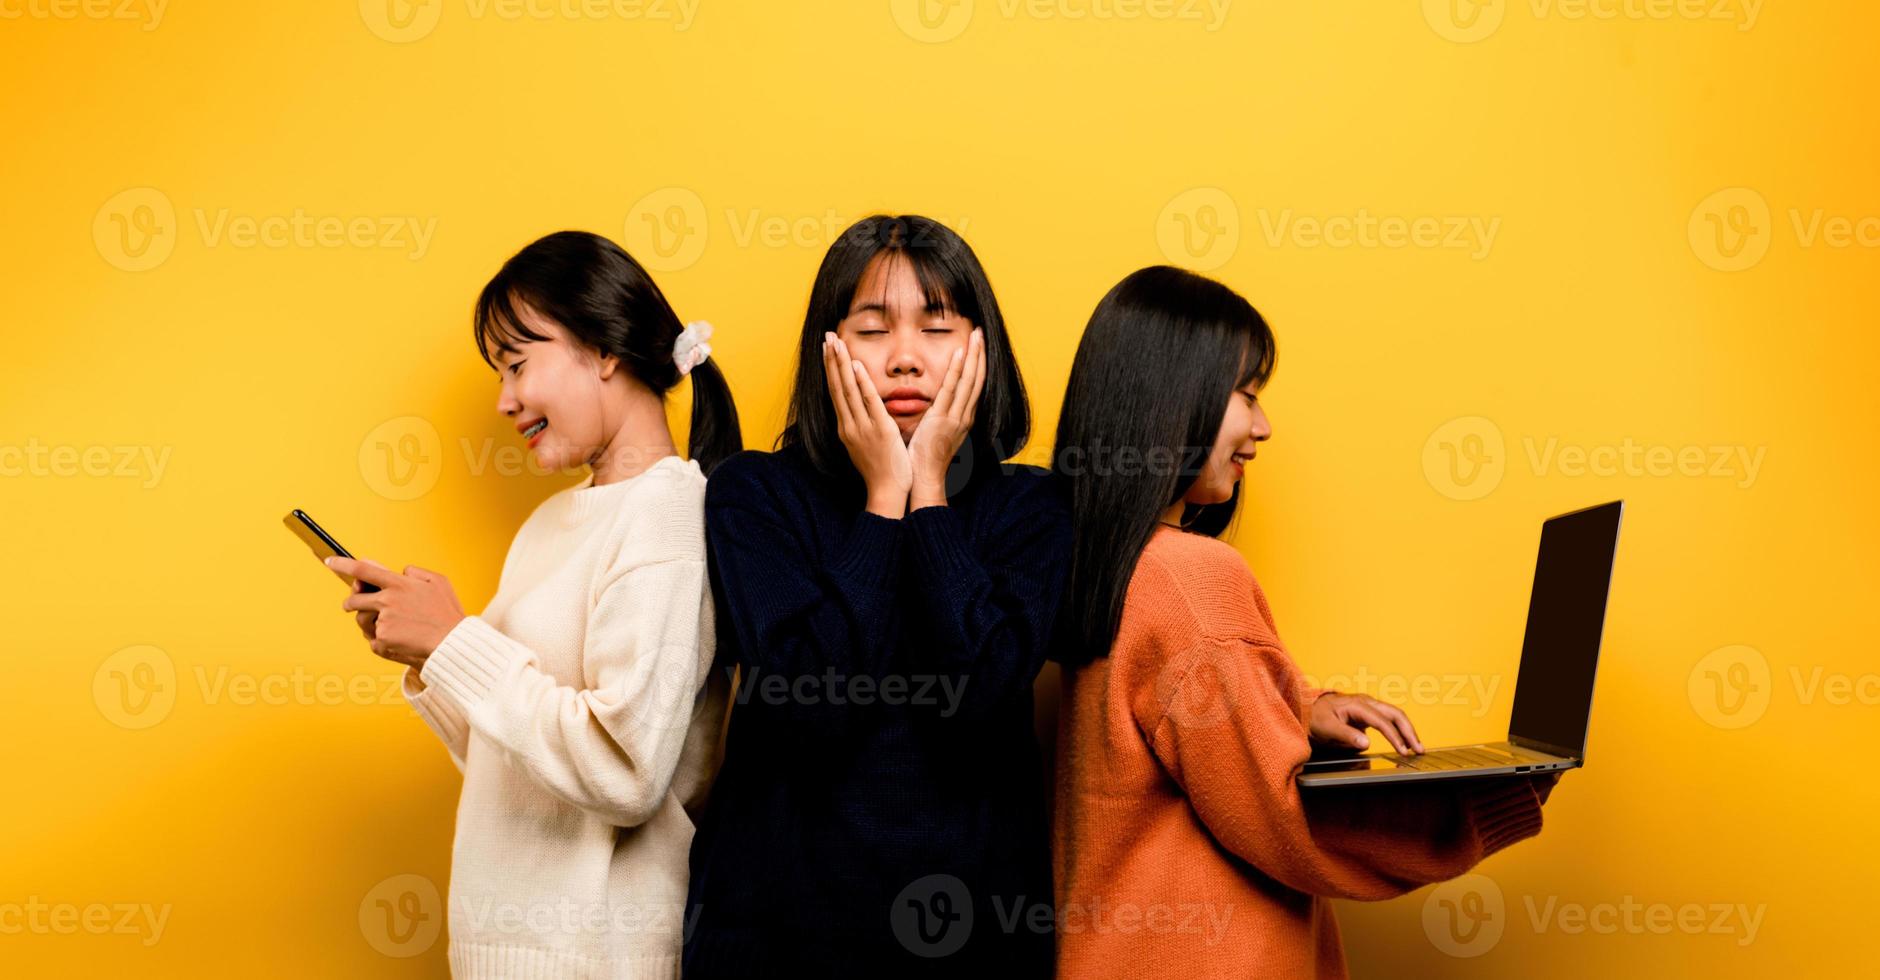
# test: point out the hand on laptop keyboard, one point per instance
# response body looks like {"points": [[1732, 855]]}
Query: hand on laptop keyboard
{"points": [[1340, 719]]}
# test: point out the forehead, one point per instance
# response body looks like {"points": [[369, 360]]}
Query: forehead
{"points": [[890, 283], [532, 320]]}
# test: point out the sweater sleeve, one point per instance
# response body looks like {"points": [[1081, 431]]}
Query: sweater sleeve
{"points": [[989, 609], [1222, 718], [795, 614], [439, 713], [612, 746]]}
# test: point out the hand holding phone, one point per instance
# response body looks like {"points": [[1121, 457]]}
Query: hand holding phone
{"points": [[322, 544]]}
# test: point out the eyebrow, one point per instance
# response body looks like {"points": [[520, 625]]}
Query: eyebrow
{"points": [[931, 309]]}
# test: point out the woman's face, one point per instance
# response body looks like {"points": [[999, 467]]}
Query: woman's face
{"points": [[903, 342], [560, 386], [1243, 428]]}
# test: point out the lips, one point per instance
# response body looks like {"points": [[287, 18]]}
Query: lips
{"points": [[905, 401], [532, 431]]}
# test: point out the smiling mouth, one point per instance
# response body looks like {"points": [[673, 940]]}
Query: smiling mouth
{"points": [[532, 431]]}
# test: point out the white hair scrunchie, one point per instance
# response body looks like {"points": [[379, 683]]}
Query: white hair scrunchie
{"points": [[690, 349]]}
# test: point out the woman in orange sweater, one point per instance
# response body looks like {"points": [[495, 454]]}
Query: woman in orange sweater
{"points": [[1184, 849]]}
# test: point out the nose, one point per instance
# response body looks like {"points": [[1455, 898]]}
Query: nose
{"points": [[903, 356], [1262, 427], [506, 402]]}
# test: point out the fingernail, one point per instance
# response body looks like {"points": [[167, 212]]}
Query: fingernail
{"points": [[1363, 743], [328, 562]]}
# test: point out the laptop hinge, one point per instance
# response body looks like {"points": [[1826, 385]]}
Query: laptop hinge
{"points": [[1539, 746]]}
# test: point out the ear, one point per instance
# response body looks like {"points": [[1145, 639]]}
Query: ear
{"points": [[608, 364]]}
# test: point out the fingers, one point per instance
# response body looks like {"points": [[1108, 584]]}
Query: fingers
{"points": [[368, 571], [850, 387], [832, 368], [1349, 736], [1368, 712], [976, 365], [424, 574], [948, 396], [877, 409], [374, 601], [1404, 727], [368, 623]]}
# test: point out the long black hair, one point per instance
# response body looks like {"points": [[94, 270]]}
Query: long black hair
{"points": [[951, 279], [605, 300], [1162, 355]]}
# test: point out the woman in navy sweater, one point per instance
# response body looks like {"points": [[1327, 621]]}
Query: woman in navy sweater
{"points": [[886, 586]]}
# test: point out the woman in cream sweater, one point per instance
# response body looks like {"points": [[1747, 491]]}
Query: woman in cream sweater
{"points": [[580, 705]]}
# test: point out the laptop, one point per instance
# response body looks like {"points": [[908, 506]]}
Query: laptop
{"points": [[1553, 696]]}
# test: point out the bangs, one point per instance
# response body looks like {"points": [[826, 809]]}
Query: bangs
{"points": [[499, 326], [1259, 357], [945, 287]]}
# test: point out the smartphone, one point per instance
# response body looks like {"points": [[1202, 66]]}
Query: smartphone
{"points": [[322, 543]]}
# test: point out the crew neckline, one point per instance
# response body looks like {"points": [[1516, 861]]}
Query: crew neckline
{"points": [[585, 498]]}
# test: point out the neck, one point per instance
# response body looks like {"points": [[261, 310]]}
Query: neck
{"points": [[641, 440], [1173, 515]]}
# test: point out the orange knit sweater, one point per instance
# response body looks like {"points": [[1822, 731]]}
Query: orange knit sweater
{"points": [[1183, 847]]}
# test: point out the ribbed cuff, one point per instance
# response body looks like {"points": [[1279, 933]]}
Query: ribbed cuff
{"points": [[1503, 811], [945, 557], [872, 551], [439, 712], [465, 666]]}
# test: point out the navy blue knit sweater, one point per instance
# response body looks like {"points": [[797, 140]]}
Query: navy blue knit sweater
{"points": [[880, 810]]}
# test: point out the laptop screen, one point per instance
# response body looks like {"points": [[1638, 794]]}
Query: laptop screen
{"points": [[1566, 614]]}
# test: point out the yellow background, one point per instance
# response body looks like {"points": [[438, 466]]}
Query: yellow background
{"points": [[1070, 150]]}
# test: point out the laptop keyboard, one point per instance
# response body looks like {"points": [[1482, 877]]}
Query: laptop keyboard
{"points": [[1472, 757]]}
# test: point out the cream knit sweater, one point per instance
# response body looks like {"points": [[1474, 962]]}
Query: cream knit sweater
{"points": [[583, 712]]}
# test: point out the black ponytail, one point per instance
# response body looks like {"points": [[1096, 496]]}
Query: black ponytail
{"points": [[607, 301], [715, 434]]}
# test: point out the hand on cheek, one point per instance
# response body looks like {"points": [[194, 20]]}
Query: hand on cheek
{"points": [[868, 432], [943, 430]]}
